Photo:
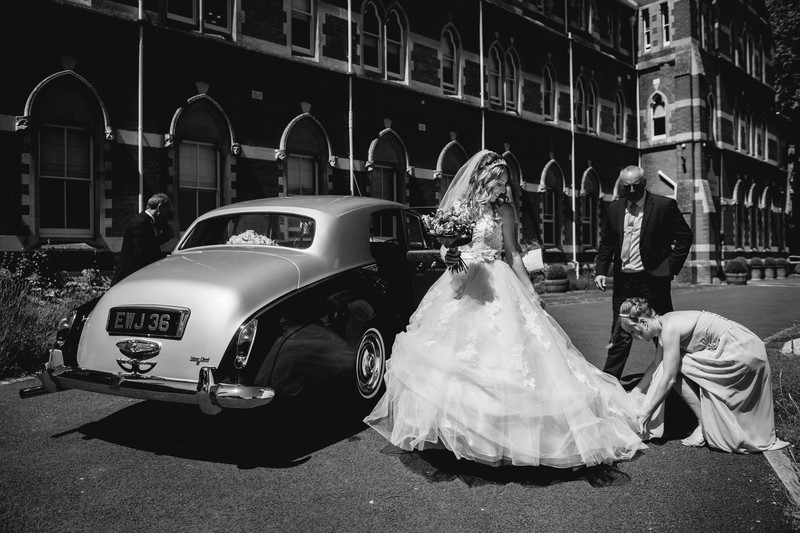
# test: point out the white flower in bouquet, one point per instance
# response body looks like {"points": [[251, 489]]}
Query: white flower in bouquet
{"points": [[251, 237]]}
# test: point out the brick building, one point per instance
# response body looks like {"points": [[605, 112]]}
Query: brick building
{"points": [[217, 101]]}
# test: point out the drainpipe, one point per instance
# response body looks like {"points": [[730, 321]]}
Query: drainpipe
{"points": [[483, 74], [572, 154], [140, 127], [350, 92]]}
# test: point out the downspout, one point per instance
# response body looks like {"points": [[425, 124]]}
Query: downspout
{"points": [[572, 153], [140, 127], [635, 48], [483, 76], [350, 91]]}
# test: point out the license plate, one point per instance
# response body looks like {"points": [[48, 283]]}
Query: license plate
{"points": [[147, 321]]}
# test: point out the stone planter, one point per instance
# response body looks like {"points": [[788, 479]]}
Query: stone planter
{"points": [[780, 272], [755, 272], [736, 278], [769, 272], [556, 285]]}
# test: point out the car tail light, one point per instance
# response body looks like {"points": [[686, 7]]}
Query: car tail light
{"points": [[64, 325], [244, 343]]}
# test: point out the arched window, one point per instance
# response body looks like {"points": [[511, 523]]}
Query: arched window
{"points": [[395, 47], [619, 116], [759, 58], [371, 53], [495, 67], [450, 62], [737, 126], [450, 160], [736, 45], [591, 108], [739, 217], [552, 180], [580, 104], [711, 118], [754, 215], [307, 150], [511, 81], [589, 202], [387, 172], [202, 137], [548, 93], [761, 127], [766, 214], [744, 142], [658, 116]]}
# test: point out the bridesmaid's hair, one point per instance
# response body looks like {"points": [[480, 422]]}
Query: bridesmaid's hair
{"points": [[635, 308], [487, 175]]}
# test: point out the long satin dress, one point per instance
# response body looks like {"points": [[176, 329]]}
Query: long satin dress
{"points": [[729, 364]]}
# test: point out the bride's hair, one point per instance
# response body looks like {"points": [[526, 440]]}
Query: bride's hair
{"points": [[487, 174], [635, 308]]}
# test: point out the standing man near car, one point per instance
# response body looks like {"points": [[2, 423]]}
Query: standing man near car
{"points": [[647, 239], [144, 235]]}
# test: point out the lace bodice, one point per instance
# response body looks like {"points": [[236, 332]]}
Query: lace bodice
{"points": [[487, 239]]}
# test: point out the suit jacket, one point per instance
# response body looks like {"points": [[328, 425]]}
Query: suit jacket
{"points": [[141, 245], [664, 242]]}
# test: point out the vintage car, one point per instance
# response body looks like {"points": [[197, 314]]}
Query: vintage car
{"points": [[260, 299]]}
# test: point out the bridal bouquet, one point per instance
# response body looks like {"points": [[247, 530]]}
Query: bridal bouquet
{"points": [[452, 227], [250, 237]]}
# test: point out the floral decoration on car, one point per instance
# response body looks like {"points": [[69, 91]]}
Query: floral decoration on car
{"points": [[251, 237]]}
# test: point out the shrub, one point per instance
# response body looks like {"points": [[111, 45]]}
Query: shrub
{"points": [[769, 261], [555, 271], [32, 301], [755, 262], [737, 265], [781, 261]]}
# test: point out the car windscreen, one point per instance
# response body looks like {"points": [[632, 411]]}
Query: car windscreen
{"points": [[253, 229]]}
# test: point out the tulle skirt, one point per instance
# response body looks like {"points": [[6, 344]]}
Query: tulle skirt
{"points": [[485, 372]]}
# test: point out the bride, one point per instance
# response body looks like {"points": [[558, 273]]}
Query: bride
{"points": [[484, 371]]}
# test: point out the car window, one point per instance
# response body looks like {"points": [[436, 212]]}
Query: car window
{"points": [[416, 236], [253, 229], [386, 226]]}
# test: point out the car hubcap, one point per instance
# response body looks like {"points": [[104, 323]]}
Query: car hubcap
{"points": [[370, 363]]}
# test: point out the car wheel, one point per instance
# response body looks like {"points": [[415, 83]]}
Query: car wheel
{"points": [[370, 363]]}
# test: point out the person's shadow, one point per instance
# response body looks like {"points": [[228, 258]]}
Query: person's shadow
{"points": [[279, 435], [437, 465]]}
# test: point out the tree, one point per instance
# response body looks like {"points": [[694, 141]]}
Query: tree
{"points": [[784, 17]]}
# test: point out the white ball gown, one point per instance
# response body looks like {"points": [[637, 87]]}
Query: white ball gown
{"points": [[484, 371]]}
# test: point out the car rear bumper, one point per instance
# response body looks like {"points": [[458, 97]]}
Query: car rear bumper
{"points": [[210, 396]]}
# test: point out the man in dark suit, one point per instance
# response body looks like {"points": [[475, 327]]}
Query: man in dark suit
{"points": [[648, 240], [144, 235]]}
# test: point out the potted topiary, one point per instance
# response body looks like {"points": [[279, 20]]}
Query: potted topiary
{"points": [[769, 268], [736, 271], [555, 278], [755, 264], [780, 267]]}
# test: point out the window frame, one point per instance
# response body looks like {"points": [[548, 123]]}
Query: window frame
{"points": [[218, 178], [619, 115], [510, 82], [666, 35], [646, 30], [658, 101], [45, 231], [495, 77], [548, 97], [314, 174], [400, 75], [369, 36], [310, 19], [198, 21], [454, 88]]}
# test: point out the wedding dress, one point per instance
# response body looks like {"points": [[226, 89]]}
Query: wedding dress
{"points": [[485, 372]]}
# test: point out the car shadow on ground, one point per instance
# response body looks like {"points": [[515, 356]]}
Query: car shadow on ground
{"points": [[280, 435]]}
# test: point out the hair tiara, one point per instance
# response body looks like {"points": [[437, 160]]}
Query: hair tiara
{"points": [[496, 163]]}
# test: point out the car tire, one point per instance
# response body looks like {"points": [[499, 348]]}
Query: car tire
{"points": [[370, 364]]}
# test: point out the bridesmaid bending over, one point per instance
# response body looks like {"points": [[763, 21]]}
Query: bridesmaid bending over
{"points": [[718, 366]]}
